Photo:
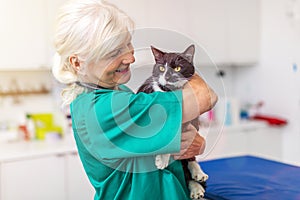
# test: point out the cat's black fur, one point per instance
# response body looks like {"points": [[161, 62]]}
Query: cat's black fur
{"points": [[170, 79]]}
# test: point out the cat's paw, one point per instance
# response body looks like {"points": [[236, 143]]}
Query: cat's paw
{"points": [[196, 172], [196, 190], [162, 161], [200, 176]]}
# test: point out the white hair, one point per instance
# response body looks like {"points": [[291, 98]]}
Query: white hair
{"points": [[89, 29]]}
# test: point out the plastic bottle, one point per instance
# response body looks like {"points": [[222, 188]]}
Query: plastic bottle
{"points": [[30, 127], [228, 114]]}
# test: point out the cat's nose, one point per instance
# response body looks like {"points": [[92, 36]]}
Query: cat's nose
{"points": [[169, 75], [168, 78]]}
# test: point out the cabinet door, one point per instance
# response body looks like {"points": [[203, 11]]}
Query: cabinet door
{"points": [[243, 31], [34, 179], [51, 13], [225, 31], [265, 142], [207, 26], [78, 185], [228, 144], [22, 37]]}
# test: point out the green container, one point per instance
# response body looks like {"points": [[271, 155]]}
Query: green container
{"points": [[44, 124]]}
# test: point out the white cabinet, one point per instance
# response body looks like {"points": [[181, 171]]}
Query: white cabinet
{"points": [[257, 141], [266, 143], [78, 185], [226, 30], [25, 36], [208, 24], [51, 13], [224, 144], [243, 31], [56, 177], [22, 37], [34, 179]]}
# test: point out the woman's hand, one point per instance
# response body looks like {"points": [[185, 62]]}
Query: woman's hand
{"points": [[192, 144]]}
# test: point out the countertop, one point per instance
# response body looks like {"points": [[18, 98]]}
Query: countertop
{"points": [[20, 150], [11, 151]]}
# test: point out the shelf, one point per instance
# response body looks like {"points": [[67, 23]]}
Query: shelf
{"points": [[22, 93]]}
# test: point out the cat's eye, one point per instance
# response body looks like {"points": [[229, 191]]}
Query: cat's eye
{"points": [[177, 69], [162, 68]]}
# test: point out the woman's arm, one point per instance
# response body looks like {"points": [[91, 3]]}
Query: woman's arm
{"points": [[118, 124], [197, 98]]}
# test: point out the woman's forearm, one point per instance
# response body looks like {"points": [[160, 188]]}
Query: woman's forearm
{"points": [[198, 98]]}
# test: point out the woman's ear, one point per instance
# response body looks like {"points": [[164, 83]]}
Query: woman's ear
{"points": [[74, 61]]}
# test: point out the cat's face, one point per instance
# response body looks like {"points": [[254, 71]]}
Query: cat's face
{"points": [[173, 70]]}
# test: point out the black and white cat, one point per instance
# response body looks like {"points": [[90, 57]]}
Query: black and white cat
{"points": [[170, 72]]}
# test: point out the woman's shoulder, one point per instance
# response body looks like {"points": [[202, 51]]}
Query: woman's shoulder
{"points": [[95, 94]]}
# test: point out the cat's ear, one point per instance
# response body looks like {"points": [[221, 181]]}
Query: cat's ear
{"points": [[189, 53], [158, 54]]}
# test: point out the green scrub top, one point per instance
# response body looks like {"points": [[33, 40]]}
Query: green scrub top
{"points": [[118, 133]]}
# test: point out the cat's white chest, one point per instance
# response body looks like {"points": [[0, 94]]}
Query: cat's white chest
{"points": [[156, 88]]}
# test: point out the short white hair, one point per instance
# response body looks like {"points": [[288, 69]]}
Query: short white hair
{"points": [[89, 29]]}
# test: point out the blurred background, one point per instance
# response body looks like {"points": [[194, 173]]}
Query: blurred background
{"points": [[247, 50]]}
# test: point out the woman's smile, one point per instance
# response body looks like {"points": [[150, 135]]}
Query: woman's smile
{"points": [[123, 70]]}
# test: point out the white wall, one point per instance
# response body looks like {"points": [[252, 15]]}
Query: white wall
{"points": [[273, 80]]}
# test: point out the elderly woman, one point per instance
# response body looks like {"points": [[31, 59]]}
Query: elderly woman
{"points": [[117, 132]]}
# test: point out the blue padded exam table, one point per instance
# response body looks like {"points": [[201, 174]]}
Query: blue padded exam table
{"points": [[251, 178]]}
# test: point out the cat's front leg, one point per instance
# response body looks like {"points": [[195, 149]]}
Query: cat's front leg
{"points": [[196, 171], [196, 190], [162, 161]]}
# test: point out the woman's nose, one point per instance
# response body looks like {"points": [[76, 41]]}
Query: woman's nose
{"points": [[129, 57]]}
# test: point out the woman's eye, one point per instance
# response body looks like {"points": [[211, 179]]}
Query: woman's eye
{"points": [[161, 68], [116, 53], [177, 69]]}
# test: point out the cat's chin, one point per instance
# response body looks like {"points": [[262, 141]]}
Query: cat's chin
{"points": [[170, 87], [177, 84]]}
